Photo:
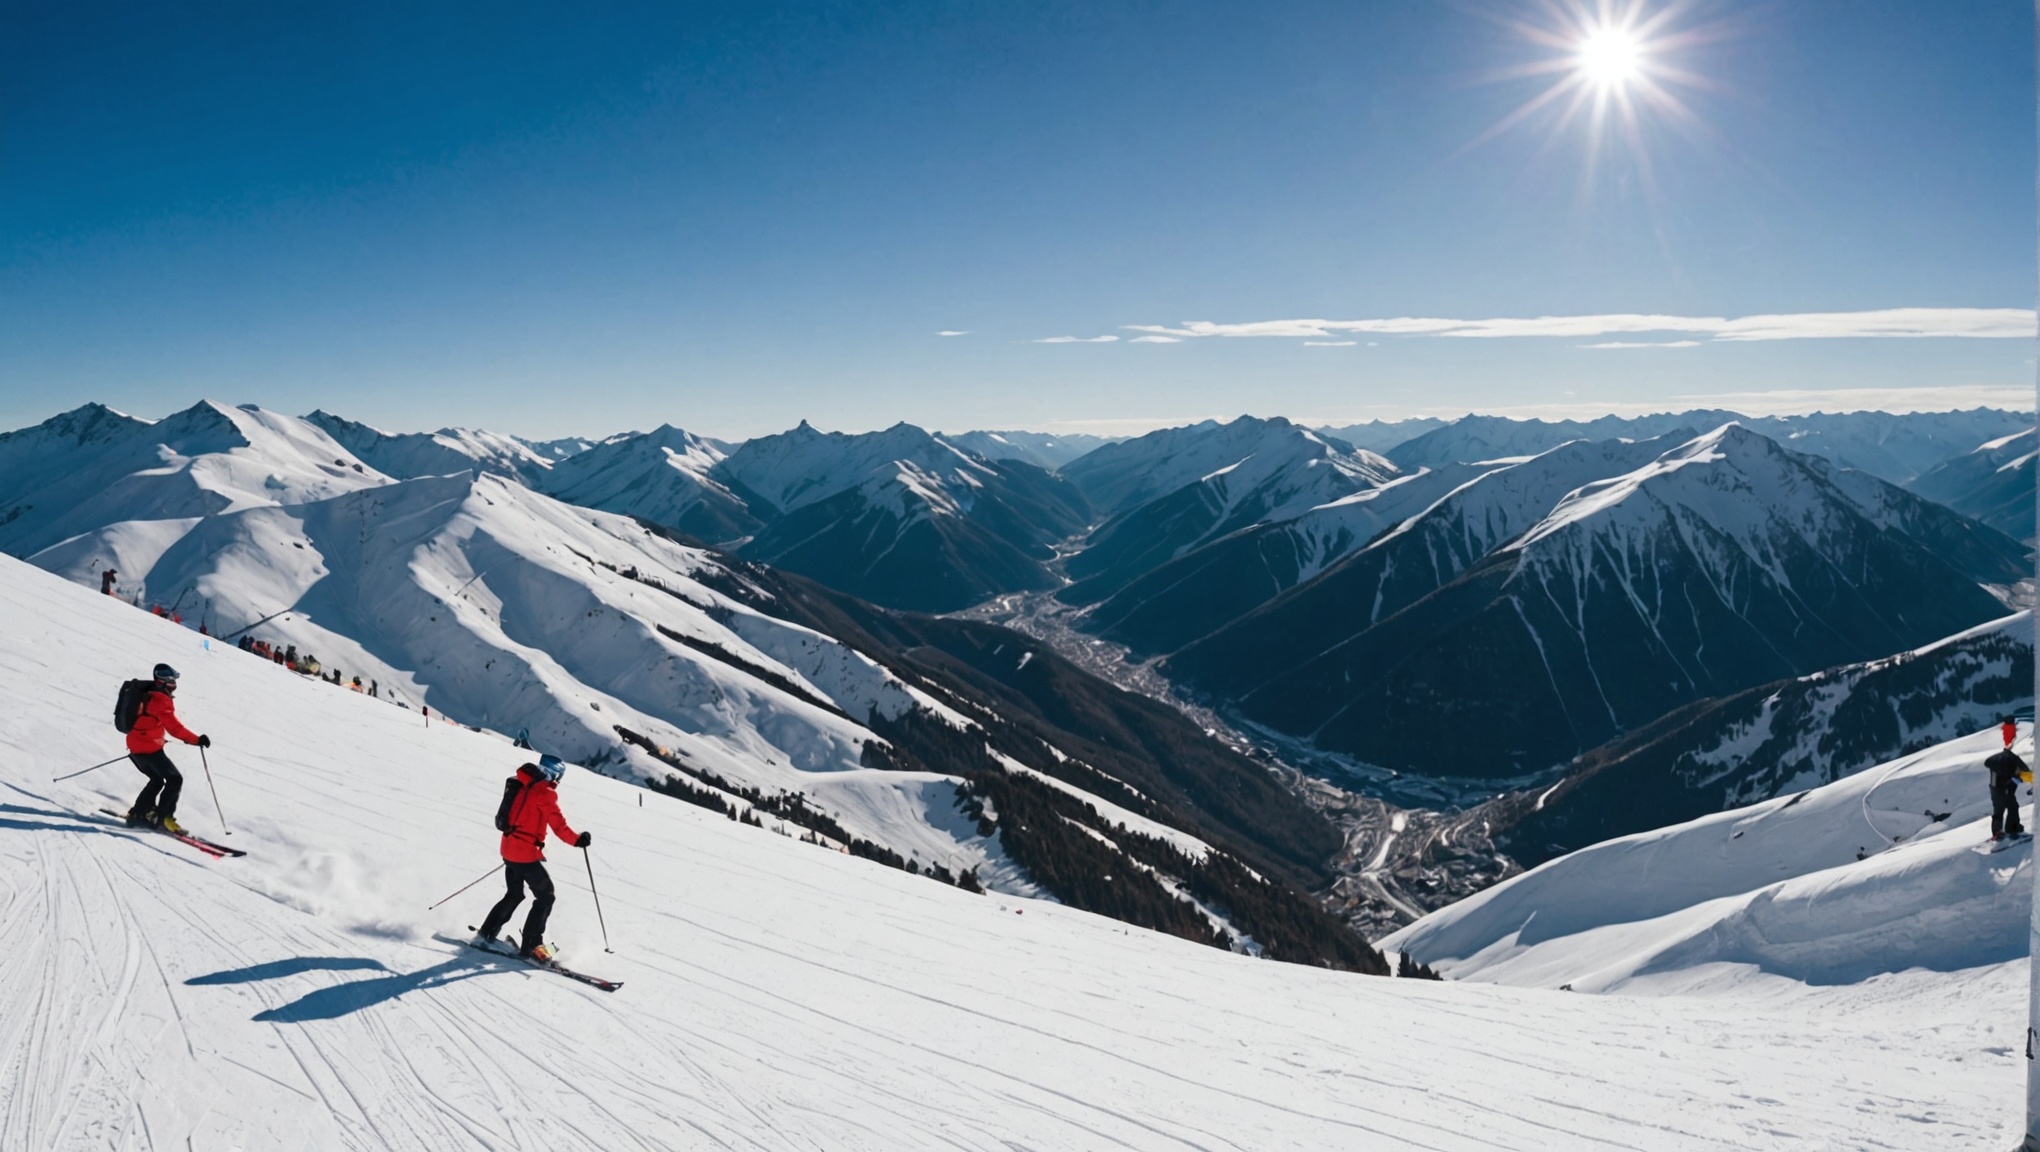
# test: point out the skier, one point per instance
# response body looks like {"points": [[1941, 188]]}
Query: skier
{"points": [[2006, 771], [528, 812], [155, 722]]}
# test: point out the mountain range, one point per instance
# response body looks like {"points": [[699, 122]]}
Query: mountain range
{"points": [[961, 751], [1725, 562]]}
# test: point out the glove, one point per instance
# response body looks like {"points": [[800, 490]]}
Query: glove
{"points": [[585, 840], [205, 741]]}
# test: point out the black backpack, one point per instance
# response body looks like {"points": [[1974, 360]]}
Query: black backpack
{"points": [[128, 707], [511, 788]]}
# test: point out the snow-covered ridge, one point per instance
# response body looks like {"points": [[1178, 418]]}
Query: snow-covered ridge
{"points": [[1249, 451], [1879, 872], [409, 455], [93, 467]]}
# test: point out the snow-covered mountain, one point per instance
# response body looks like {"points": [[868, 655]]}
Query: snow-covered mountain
{"points": [[1774, 740], [1383, 435], [1725, 563], [901, 517], [92, 466], [501, 607], [1202, 591], [1426, 550], [1170, 491], [666, 476], [1122, 476], [1041, 449], [776, 994], [1881, 872], [1993, 484], [409, 455], [1892, 446]]}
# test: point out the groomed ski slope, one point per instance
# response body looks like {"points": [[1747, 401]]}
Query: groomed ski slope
{"points": [[777, 995]]}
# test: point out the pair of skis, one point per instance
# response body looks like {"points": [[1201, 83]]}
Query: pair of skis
{"points": [[509, 950], [216, 851]]}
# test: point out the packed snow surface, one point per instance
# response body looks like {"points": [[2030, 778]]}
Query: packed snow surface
{"points": [[777, 994]]}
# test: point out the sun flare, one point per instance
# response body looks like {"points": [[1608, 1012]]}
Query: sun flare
{"points": [[1610, 57]]}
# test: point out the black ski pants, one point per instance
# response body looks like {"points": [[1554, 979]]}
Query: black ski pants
{"points": [[165, 785], [515, 878], [2004, 810]]}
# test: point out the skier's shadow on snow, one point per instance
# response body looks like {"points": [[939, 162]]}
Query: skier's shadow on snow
{"points": [[335, 1001], [76, 823]]}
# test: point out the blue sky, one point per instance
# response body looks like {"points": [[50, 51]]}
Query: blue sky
{"points": [[735, 216]]}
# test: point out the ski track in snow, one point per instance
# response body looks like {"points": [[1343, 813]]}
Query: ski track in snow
{"points": [[777, 995]]}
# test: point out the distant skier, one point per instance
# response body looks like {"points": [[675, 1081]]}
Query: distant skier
{"points": [[2006, 771], [154, 723], [531, 805]]}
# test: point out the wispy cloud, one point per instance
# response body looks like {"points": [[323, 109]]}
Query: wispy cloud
{"points": [[952, 332], [1155, 340], [1645, 344], [1079, 340], [1329, 343], [1917, 323]]}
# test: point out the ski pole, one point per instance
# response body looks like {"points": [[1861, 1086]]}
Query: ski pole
{"points": [[94, 768], [470, 884], [598, 900], [215, 792]]}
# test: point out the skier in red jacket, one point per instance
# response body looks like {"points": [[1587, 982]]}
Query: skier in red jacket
{"points": [[155, 722], [535, 808]]}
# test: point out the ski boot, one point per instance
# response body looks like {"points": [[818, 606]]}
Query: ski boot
{"points": [[170, 824], [136, 818], [538, 954]]}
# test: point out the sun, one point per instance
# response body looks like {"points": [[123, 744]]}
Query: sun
{"points": [[1610, 58], [1614, 71]]}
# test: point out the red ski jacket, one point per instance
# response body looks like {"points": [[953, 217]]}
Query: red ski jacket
{"points": [[155, 723], [536, 808]]}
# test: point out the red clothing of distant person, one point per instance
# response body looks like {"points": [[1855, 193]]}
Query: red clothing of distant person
{"points": [[2010, 730], [536, 808], [156, 723]]}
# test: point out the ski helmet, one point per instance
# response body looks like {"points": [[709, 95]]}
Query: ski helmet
{"points": [[552, 767], [165, 674]]}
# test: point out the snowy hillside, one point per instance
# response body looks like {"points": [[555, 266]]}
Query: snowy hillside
{"points": [[777, 994], [665, 476], [1726, 563], [1871, 875], [92, 467], [409, 455], [1993, 484], [1774, 740]]}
